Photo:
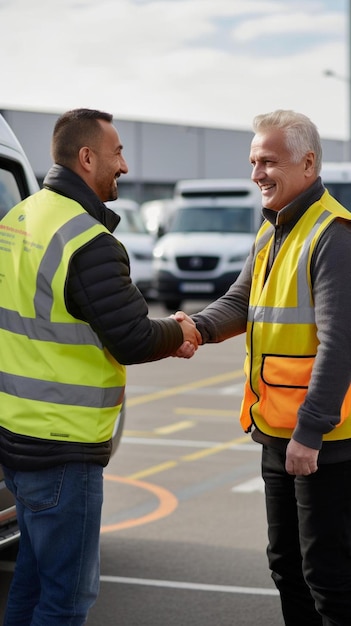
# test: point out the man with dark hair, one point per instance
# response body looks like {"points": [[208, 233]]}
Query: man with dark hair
{"points": [[71, 319], [72, 130]]}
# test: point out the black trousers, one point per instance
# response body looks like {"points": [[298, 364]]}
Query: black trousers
{"points": [[309, 533]]}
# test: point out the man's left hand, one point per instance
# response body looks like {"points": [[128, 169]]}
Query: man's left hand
{"points": [[300, 460]]}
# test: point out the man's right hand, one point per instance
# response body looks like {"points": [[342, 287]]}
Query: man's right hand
{"points": [[192, 337]]}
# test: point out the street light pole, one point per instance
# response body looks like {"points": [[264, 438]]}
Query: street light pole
{"points": [[346, 79], [349, 78], [332, 74]]}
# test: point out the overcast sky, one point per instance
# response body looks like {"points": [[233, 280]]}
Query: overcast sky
{"points": [[203, 62]]}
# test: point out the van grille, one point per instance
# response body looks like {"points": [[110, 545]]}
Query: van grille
{"points": [[197, 263]]}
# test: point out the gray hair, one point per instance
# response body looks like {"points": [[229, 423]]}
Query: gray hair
{"points": [[301, 133]]}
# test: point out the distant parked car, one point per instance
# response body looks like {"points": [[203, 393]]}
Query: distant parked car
{"points": [[157, 215], [139, 243]]}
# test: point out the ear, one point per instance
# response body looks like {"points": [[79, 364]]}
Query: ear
{"points": [[310, 164], [85, 158]]}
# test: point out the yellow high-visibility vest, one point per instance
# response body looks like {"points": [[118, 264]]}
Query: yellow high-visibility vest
{"points": [[57, 380], [281, 338]]}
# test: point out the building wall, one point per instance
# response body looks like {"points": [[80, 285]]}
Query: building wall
{"points": [[158, 154]]}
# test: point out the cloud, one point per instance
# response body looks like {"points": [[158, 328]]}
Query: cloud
{"points": [[217, 62], [290, 23]]}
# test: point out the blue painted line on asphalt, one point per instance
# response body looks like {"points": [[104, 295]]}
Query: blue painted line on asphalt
{"points": [[232, 477]]}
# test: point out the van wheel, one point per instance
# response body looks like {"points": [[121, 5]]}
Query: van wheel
{"points": [[172, 305]]}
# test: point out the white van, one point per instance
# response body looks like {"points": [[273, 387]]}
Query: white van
{"points": [[17, 181], [212, 229], [337, 179]]}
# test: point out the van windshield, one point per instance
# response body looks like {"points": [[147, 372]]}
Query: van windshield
{"points": [[9, 191], [213, 220]]}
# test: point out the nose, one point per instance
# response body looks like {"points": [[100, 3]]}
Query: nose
{"points": [[257, 172], [123, 165]]}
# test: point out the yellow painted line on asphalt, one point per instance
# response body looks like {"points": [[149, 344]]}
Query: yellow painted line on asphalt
{"points": [[208, 451], [162, 467], [173, 428], [147, 434], [204, 412], [155, 469], [167, 500], [174, 391], [162, 430]]}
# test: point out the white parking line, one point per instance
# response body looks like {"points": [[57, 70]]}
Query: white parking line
{"points": [[7, 566], [186, 443], [175, 584], [249, 486]]}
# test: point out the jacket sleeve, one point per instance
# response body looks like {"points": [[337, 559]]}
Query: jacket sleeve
{"points": [[227, 316], [99, 291]]}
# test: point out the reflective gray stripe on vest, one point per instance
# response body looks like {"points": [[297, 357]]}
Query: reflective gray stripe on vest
{"points": [[57, 393], [303, 313], [44, 330], [40, 327], [43, 298]]}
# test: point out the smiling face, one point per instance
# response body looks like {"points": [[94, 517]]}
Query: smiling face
{"points": [[279, 178], [108, 162]]}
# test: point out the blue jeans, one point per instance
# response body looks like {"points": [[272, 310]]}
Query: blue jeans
{"points": [[309, 550], [57, 572]]}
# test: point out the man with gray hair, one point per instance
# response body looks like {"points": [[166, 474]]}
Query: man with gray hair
{"points": [[293, 300]]}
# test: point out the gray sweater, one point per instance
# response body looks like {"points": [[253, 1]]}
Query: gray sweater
{"points": [[331, 284]]}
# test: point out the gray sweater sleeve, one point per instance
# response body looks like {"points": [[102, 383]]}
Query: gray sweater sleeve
{"points": [[227, 316], [331, 375]]}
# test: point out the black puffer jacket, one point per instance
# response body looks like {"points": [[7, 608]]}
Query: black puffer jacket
{"points": [[99, 291], [99, 288]]}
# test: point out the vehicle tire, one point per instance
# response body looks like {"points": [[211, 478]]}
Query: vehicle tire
{"points": [[172, 305]]}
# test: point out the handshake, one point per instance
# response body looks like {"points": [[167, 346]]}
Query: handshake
{"points": [[192, 337]]}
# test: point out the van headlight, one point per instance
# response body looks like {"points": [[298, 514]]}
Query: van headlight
{"points": [[160, 254]]}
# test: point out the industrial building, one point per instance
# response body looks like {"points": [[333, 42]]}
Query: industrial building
{"points": [[158, 154]]}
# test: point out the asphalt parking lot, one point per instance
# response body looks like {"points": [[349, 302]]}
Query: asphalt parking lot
{"points": [[184, 534]]}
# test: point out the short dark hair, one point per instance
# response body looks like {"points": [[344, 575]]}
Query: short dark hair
{"points": [[75, 129]]}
